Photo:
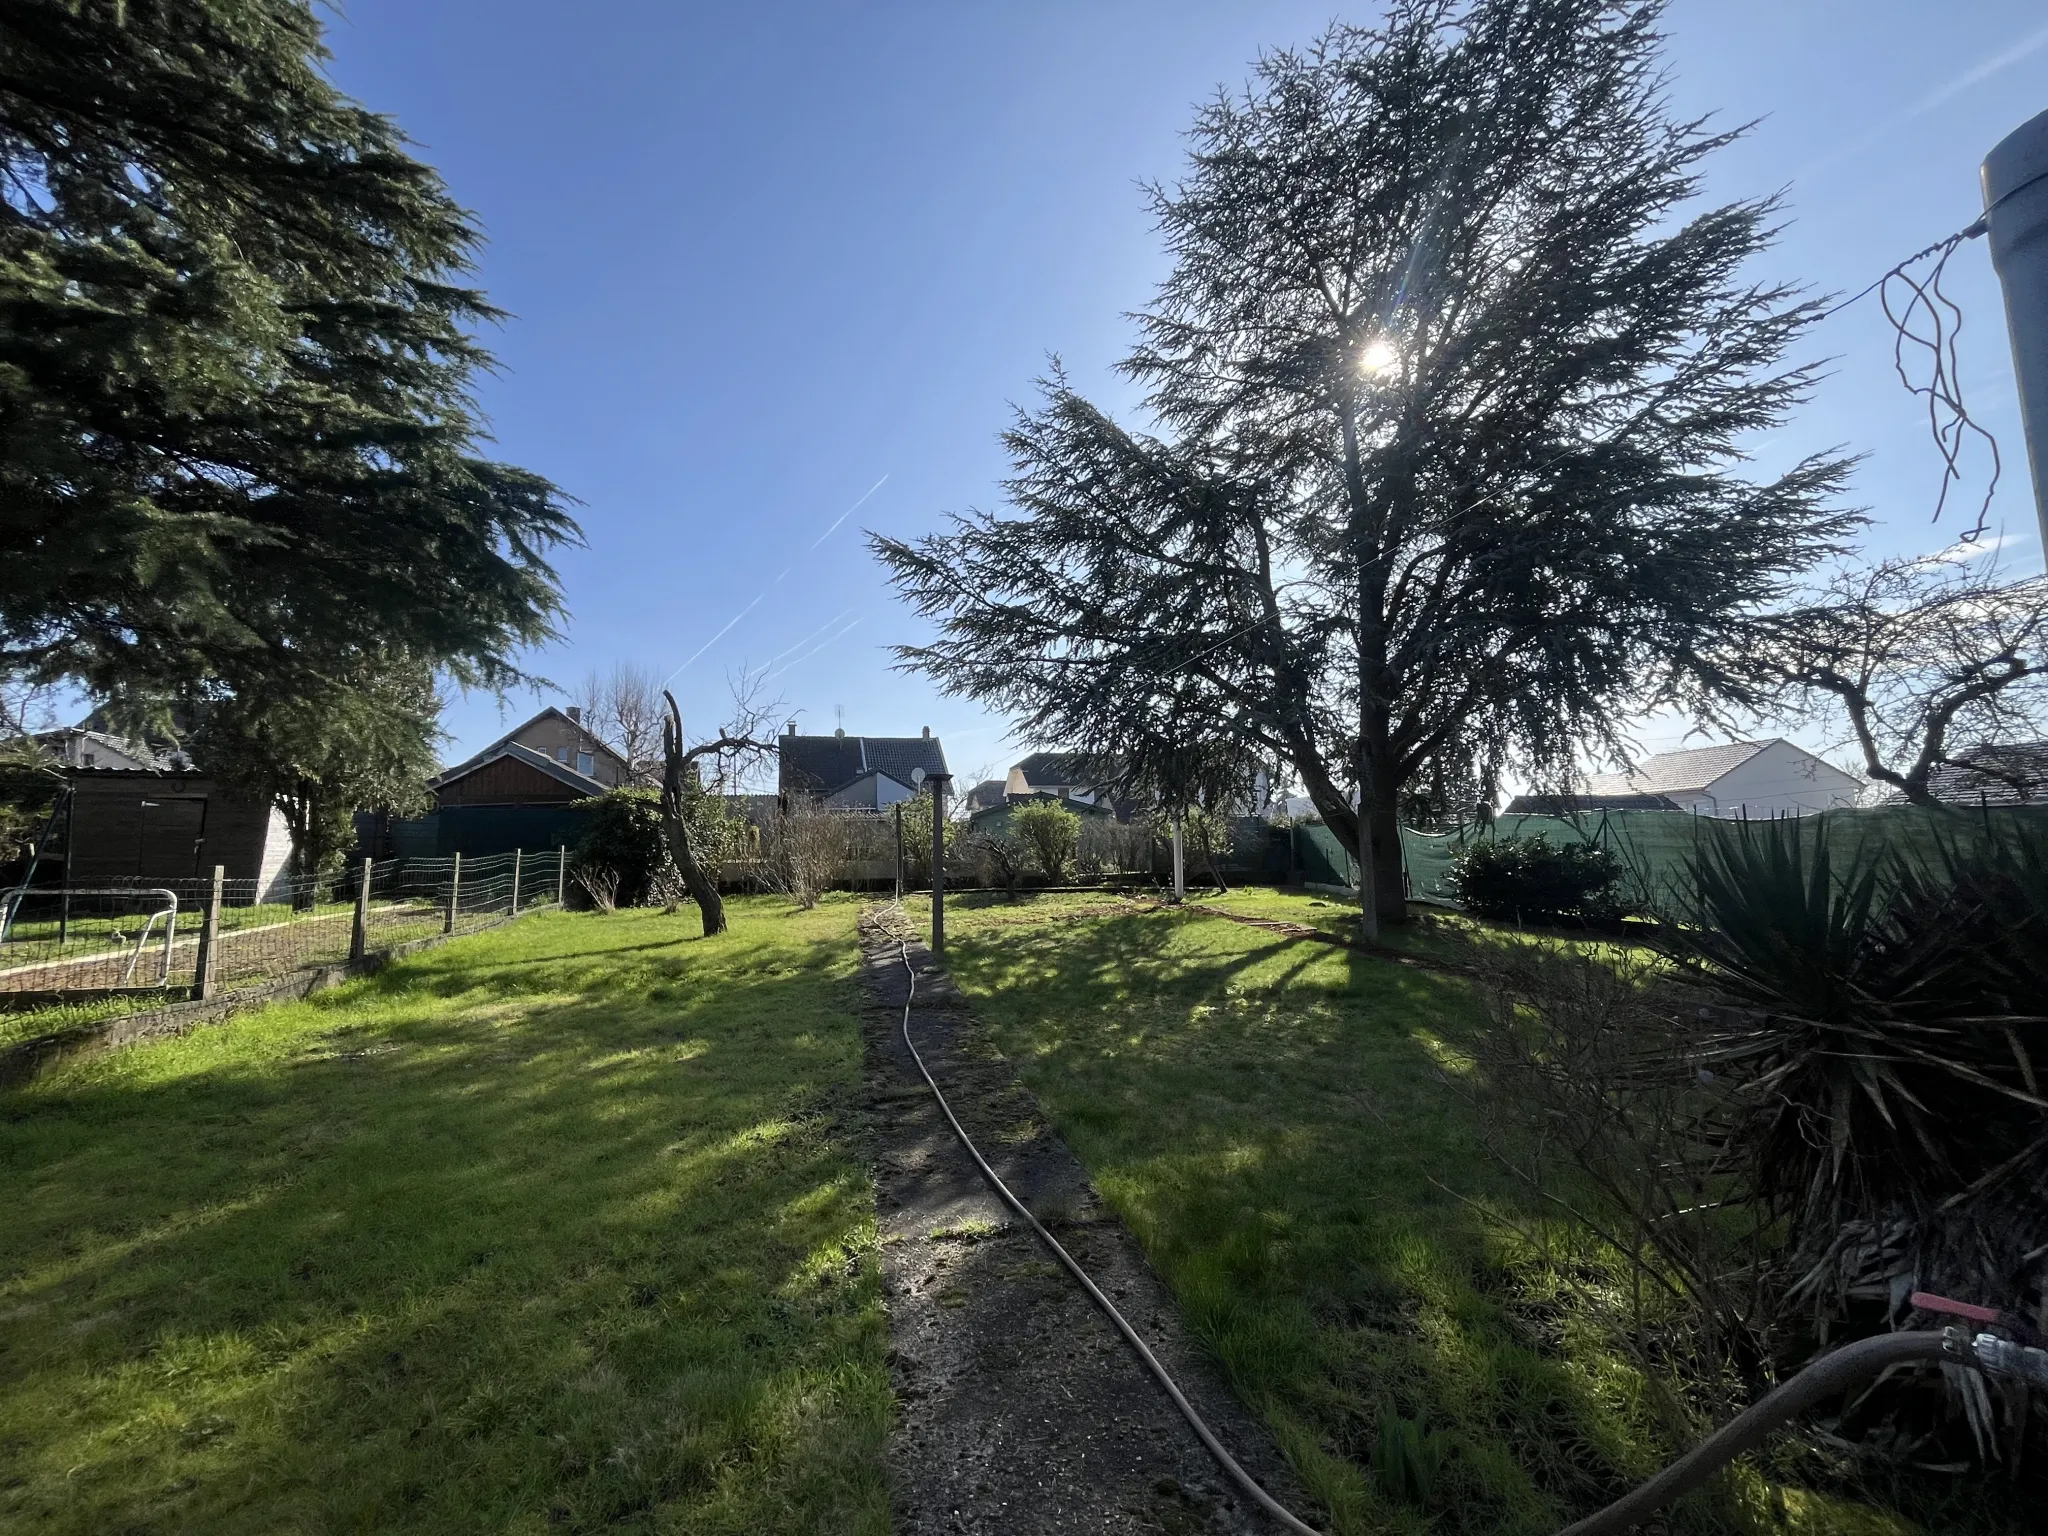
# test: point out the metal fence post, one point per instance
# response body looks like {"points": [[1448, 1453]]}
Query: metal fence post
{"points": [[938, 783], [517, 856], [206, 972], [359, 940], [561, 874], [454, 894]]}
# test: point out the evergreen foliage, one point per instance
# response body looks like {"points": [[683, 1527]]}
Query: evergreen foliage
{"points": [[1532, 880], [237, 439], [623, 835], [1449, 386], [1051, 832], [321, 751]]}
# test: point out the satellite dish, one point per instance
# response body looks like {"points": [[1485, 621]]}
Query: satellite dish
{"points": [[916, 778]]}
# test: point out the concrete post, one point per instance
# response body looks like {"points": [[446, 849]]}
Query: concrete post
{"points": [[899, 850], [518, 855], [359, 938], [2016, 216], [938, 782], [1180, 873], [454, 895], [561, 874], [206, 973]]}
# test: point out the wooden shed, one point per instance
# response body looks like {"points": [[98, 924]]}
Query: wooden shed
{"points": [[138, 825]]}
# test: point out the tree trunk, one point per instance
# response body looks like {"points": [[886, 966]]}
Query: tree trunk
{"points": [[703, 889], [675, 822]]}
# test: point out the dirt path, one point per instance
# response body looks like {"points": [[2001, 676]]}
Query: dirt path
{"points": [[1020, 1411]]}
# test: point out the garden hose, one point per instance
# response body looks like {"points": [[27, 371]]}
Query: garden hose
{"points": [[1207, 1436], [1833, 1373]]}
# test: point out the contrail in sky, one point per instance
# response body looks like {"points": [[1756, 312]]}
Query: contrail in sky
{"points": [[842, 517], [1976, 74], [728, 626], [850, 511], [807, 655], [807, 639]]}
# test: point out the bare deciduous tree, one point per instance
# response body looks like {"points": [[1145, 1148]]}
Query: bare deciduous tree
{"points": [[1923, 663], [747, 735], [623, 709]]}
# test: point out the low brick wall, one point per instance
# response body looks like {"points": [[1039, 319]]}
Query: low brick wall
{"points": [[27, 1059]]}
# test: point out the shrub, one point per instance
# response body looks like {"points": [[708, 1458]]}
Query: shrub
{"points": [[1530, 880], [623, 838], [999, 858], [1051, 832]]}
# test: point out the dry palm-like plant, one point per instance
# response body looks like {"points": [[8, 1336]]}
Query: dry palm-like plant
{"points": [[1828, 1097], [1884, 1046]]}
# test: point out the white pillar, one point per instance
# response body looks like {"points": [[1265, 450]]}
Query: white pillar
{"points": [[1180, 874], [2016, 215]]}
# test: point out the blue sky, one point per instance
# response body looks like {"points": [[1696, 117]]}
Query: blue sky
{"points": [[766, 259]]}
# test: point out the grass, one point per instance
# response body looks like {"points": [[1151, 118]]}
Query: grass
{"points": [[1431, 933], [561, 1227], [1287, 1129]]}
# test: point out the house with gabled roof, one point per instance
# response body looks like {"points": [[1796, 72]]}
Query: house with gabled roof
{"points": [[1757, 779], [855, 773]]}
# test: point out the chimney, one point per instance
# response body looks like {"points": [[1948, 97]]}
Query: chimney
{"points": [[575, 714], [927, 733], [790, 729]]}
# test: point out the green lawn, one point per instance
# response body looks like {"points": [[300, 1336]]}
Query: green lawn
{"points": [[562, 1227], [1269, 1115]]}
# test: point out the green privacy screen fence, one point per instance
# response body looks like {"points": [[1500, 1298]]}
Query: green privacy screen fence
{"points": [[1656, 848]]}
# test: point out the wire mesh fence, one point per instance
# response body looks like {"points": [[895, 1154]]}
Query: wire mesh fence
{"points": [[158, 934]]}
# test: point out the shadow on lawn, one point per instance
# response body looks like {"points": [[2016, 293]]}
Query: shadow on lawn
{"points": [[518, 1240], [1269, 1117]]}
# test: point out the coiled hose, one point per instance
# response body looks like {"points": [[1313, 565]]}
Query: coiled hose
{"points": [[1832, 1373]]}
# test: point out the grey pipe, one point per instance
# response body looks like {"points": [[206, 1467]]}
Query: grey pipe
{"points": [[1827, 1376], [2016, 216]]}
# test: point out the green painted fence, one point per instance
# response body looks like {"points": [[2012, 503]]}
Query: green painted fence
{"points": [[1657, 848]]}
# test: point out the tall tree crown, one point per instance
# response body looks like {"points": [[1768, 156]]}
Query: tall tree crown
{"points": [[236, 350], [1450, 389]]}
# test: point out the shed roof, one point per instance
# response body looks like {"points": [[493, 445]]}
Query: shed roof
{"points": [[508, 748]]}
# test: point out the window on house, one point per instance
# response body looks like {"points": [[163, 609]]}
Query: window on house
{"points": [[584, 762], [90, 759], [562, 755]]}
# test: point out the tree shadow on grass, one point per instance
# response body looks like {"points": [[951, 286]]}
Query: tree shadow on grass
{"points": [[470, 1263], [1278, 1122]]}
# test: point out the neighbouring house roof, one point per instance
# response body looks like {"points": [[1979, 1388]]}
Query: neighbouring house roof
{"points": [[988, 793], [1057, 769], [74, 743], [1966, 784], [1666, 773], [561, 772], [824, 765], [510, 739]]}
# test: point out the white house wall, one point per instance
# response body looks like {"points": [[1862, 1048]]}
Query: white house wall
{"points": [[1781, 780], [273, 872]]}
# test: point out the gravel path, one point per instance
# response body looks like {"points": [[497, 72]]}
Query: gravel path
{"points": [[1019, 1410]]}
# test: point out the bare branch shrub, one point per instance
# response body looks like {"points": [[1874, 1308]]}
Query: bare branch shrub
{"points": [[803, 851], [1000, 860], [1594, 1102], [600, 882]]}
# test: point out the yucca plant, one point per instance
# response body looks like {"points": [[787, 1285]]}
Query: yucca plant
{"points": [[1882, 1027]]}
